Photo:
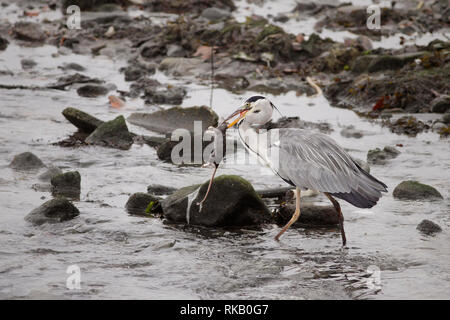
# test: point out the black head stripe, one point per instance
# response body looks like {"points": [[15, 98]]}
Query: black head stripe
{"points": [[255, 98]]}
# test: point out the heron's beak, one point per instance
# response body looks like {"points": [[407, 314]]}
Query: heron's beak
{"points": [[241, 113]]}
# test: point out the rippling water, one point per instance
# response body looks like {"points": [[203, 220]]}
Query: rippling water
{"points": [[122, 256]]}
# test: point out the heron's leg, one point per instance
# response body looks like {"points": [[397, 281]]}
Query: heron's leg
{"points": [[294, 216], [340, 215]]}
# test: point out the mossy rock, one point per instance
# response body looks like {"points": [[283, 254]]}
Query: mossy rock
{"points": [[55, 210], [113, 134], [142, 204], [67, 184], [232, 201], [268, 30], [82, 120], [413, 190], [26, 161]]}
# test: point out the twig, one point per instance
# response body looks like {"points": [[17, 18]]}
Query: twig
{"points": [[315, 86]]}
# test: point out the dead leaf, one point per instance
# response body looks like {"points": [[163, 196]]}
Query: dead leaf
{"points": [[116, 102], [204, 52], [299, 38], [31, 13]]}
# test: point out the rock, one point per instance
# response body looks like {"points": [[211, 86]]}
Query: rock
{"points": [[351, 132], [92, 90], [281, 18], [29, 31], [232, 201], [446, 118], [174, 50], [83, 121], [215, 14], [3, 43], [72, 66], [142, 204], [166, 121], [428, 227], [113, 134], [413, 190], [375, 63], [56, 210], [311, 215], [26, 161], [72, 79], [51, 172], [378, 156], [159, 190], [172, 95], [441, 104], [133, 73], [28, 64], [180, 66], [67, 184]]}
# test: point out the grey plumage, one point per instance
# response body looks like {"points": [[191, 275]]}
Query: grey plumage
{"points": [[312, 160]]}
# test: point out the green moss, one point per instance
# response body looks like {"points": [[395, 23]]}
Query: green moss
{"points": [[268, 30]]}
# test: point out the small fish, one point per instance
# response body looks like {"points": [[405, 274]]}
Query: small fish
{"points": [[217, 154]]}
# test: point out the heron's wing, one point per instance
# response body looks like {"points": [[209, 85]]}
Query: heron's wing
{"points": [[315, 161]]}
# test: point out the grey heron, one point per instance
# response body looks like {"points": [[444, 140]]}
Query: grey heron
{"points": [[306, 160]]}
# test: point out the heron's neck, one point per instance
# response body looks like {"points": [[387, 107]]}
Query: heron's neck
{"points": [[250, 137]]}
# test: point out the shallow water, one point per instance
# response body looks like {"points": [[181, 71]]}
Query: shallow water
{"points": [[122, 256]]}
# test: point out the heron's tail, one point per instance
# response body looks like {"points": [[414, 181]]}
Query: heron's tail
{"points": [[368, 192]]}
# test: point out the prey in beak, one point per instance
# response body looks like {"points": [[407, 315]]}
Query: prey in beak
{"points": [[241, 112]]}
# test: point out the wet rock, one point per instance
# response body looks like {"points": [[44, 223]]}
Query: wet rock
{"points": [[337, 59], [174, 50], [83, 121], [26, 161], [171, 95], [311, 215], [188, 6], [113, 134], [281, 18], [180, 66], [51, 172], [92, 91], [133, 73], [142, 204], [160, 190], [375, 63], [378, 156], [72, 66], [143, 85], [428, 227], [408, 125], [164, 151], [351, 132], [29, 31], [68, 80], [67, 184], [166, 121], [441, 104], [413, 190], [3, 43], [56, 210], [446, 118], [28, 64], [215, 14], [232, 201]]}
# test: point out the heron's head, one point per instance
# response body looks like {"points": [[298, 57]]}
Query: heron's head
{"points": [[255, 110]]}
